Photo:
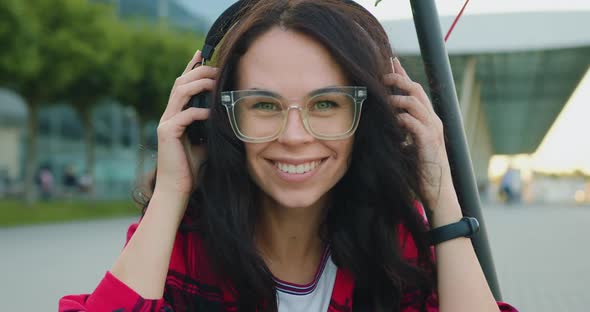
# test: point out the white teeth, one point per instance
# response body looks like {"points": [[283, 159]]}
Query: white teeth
{"points": [[299, 169]]}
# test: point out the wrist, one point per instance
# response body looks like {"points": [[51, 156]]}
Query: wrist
{"points": [[446, 211], [442, 219], [464, 228], [170, 189], [172, 204]]}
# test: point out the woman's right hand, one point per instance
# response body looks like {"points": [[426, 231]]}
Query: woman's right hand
{"points": [[178, 161]]}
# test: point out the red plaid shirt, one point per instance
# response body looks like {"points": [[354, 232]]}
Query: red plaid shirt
{"points": [[203, 289]]}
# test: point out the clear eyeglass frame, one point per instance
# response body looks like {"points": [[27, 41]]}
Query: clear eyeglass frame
{"points": [[357, 93]]}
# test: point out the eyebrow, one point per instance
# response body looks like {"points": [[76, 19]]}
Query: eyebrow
{"points": [[313, 92]]}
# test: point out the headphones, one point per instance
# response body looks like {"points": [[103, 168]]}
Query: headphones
{"points": [[196, 132]]}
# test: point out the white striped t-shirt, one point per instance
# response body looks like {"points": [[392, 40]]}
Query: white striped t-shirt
{"points": [[313, 297]]}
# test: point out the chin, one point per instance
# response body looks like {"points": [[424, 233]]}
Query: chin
{"points": [[296, 199]]}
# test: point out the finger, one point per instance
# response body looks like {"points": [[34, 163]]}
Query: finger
{"points": [[392, 67], [410, 87], [413, 125], [191, 64], [398, 68], [197, 73], [432, 132], [402, 82], [181, 95], [413, 106], [176, 125], [190, 115]]}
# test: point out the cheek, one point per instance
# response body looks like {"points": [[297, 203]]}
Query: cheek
{"points": [[252, 157], [342, 153], [343, 149]]}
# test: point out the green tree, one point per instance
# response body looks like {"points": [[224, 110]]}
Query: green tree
{"points": [[94, 40], [22, 69], [53, 50], [20, 60], [19, 57], [77, 51], [160, 54]]}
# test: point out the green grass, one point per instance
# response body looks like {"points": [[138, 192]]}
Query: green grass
{"points": [[15, 212]]}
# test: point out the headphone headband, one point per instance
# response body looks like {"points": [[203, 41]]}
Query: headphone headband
{"points": [[227, 19], [220, 27]]}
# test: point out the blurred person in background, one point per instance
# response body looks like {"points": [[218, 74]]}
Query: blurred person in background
{"points": [[86, 183], [305, 197], [69, 181], [510, 186], [46, 180]]}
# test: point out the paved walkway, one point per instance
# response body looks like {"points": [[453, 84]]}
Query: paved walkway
{"points": [[542, 257], [39, 264]]}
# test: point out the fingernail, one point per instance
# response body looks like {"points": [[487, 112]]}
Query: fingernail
{"points": [[391, 61]]}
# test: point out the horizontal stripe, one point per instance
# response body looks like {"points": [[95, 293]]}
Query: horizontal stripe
{"points": [[298, 289]]}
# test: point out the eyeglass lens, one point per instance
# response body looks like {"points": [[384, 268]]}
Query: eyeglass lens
{"points": [[328, 114]]}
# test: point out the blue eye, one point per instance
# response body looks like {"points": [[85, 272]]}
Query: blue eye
{"points": [[266, 106]]}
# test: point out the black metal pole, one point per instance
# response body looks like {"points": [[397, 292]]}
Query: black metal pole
{"points": [[446, 104]]}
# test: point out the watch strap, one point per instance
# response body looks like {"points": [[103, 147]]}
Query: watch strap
{"points": [[465, 227]]}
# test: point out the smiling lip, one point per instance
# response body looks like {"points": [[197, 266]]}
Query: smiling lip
{"points": [[312, 166]]}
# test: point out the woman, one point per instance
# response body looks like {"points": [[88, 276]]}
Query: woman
{"points": [[305, 197]]}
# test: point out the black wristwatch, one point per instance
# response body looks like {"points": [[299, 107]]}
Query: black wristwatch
{"points": [[466, 227]]}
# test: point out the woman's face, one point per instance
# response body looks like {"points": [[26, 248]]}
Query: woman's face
{"points": [[293, 65]]}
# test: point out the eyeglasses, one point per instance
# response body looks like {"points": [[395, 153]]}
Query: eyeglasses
{"points": [[258, 116]]}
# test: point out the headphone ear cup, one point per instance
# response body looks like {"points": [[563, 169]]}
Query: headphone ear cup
{"points": [[200, 100], [197, 131]]}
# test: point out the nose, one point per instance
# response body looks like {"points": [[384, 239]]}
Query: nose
{"points": [[294, 132]]}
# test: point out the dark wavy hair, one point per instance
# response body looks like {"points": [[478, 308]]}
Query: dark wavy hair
{"points": [[373, 199]]}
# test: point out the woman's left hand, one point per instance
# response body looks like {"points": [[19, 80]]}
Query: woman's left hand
{"points": [[427, 132]]}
